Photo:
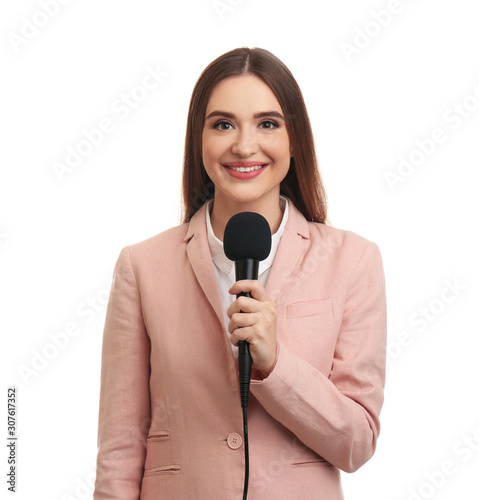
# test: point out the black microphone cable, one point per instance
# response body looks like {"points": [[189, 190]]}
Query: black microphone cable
{"points": [[245, 364]]}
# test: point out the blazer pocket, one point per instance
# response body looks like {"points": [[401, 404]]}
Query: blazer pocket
{"points": [[155, 436], [159, 454], [308, 460], [309, 308], [164, 469]]}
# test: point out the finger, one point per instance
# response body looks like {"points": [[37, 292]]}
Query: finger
{"points": [[244, 305], [241, 320], [254, 287], [245, 333]]}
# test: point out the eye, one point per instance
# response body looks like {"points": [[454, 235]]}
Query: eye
{"points": [[222, 125], [269, 124]]}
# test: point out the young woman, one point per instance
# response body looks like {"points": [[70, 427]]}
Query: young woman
{"points": [[170, 423]]}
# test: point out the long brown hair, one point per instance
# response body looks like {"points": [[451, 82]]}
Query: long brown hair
{"points": [[303, 184]]}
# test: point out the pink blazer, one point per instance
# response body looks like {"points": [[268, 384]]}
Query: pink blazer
{"points": [[170, 420]]}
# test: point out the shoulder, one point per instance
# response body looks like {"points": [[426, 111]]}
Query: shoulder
{"points": [[169, 238], [340, 237], [341, 244], [157, 247], [352, 261], [326, 238]]}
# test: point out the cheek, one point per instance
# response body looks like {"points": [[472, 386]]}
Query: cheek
{"points": [[206, 155], [204, 146], [212, 149], [211, 156], [278, 148]]}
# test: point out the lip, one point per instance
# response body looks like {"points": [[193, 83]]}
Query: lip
{"points": [[245, 164]]}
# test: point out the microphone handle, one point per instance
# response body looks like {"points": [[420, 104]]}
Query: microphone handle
{"points": [[246, 269], [245, 365]]}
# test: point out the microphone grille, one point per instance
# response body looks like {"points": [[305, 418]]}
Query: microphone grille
{"points": [[247, 236]]}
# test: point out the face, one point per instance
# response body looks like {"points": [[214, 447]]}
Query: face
{"points": [[246, 149]]}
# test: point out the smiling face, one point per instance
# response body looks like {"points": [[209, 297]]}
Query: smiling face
{"points": [[245, 145]]}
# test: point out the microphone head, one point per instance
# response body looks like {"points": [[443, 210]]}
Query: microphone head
{"points": [[247, 236]]}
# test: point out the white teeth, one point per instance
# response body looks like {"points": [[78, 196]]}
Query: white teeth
{"points": [[247, 169]]}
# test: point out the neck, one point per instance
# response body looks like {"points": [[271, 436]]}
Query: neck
{"points": [[224, 209]]}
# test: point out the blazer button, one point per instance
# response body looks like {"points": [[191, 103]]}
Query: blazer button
{"points": [[234, 441]]}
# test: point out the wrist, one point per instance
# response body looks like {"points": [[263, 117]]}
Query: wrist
{"points": [[265, 372]]}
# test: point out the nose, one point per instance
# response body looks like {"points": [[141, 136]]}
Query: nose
{"points": [[246, 143]]}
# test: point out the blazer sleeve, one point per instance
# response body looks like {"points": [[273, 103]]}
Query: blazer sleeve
{"points": [[337, 416], [124, 411]]}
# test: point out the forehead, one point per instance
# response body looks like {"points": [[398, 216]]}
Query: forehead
{"points": [[243, 93]]}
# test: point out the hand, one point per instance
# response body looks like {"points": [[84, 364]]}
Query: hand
{"points": [[256, 323]]}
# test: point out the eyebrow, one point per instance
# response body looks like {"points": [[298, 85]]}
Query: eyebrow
{"points": [[263, 114]]}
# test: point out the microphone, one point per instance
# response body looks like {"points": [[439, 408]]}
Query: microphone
{"points": [[246, 241]]}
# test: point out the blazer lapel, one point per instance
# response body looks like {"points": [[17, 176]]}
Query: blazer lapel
{"points": [[293, 244], [199, 254]]}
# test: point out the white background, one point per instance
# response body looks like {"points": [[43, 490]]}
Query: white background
{"points": [[61, 235]]}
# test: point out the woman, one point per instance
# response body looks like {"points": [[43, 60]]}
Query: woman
{"points": [[170, 423]]}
